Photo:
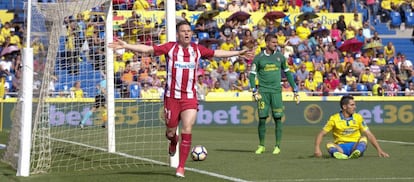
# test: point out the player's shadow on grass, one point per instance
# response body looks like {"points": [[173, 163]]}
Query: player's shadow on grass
{"points": [[234, 150], [148, 173]]}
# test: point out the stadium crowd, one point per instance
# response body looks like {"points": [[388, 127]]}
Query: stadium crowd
{"points": [[319, 57]]}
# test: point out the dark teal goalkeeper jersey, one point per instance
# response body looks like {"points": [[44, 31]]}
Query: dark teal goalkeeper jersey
{"points": [[268, 69]]}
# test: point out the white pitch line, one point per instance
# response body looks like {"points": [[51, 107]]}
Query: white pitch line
{"points": [[154, 161], [397, 142], [344, 179]]}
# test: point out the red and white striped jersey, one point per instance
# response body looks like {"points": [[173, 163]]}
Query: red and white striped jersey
{"points": [[182, 64]]}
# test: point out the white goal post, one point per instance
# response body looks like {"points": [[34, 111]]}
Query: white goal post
{"points": [[54, 129]]}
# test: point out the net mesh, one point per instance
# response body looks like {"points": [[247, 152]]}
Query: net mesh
{"points": [[70, 112]]}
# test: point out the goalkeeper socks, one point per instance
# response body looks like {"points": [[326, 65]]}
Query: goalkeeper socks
{"points": [[262, 131], [86, 117], [278, 131], [185, 146]]}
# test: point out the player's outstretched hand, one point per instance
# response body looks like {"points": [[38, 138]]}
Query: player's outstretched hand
{"points": [[318, 154], [117, 44], [245, 53], [383, 154]]}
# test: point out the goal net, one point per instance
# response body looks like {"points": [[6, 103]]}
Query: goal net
{"points": [[93, 108]]}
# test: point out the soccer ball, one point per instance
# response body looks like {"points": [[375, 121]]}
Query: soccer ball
{"points": [[199, 153]]}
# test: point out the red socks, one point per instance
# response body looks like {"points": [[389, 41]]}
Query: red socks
{"points": [[185, 146]]}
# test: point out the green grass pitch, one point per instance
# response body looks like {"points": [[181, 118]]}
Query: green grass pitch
{"points": [[231, 157]]}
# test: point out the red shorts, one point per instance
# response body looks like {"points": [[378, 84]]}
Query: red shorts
{"points": [[173, 108]]}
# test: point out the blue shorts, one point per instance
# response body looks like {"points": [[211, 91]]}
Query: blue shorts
{"points": [[347, 147]]}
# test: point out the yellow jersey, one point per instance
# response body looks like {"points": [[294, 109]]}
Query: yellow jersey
{"points": [[77, 93], [345, 130]]}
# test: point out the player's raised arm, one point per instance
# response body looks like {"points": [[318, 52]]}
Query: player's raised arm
{"points": [[120, 44], [222, 53]]}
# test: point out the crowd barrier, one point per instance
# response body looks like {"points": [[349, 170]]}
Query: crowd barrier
{"points": [[376, 110]]}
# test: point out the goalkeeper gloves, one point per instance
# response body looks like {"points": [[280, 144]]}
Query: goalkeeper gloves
{"points": [[256, 94], [296, 95]]}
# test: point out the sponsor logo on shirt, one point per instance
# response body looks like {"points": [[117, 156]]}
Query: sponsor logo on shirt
{"points": [[184, 65]]}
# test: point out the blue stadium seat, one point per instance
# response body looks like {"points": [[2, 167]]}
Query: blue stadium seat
{"points": [[409, 19], [134, 91], [203, 35], [395, 19], [362, 88], [347, 88], [214, 46]]}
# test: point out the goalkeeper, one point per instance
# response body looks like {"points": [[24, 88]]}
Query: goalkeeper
{"points": [[267, 67]]}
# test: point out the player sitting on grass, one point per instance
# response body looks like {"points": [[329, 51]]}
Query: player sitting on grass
{"points": [[346, 127]]}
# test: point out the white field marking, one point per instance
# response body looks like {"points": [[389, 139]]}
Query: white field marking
{"points": [[153, 161], [345, 179], [397, 142]]}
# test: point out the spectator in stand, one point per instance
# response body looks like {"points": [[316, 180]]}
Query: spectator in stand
{"points": [[76, 91], [348, 58], [246, 7], [233, 7], [217, 87], [207, 80], [404, 64], [310, 67], [228, 44], [226, 64], [332, 54], [225, 82], [355, 23], [392, 87], [350, 78], [375, 68], [141, 5], [377, 89], [127, 78], [365, 59], [358, 66], [349, 33], [304, 49], [367, 78], [336, 33], [286, 86], [340, 90], [359, 36], [381, 61], [221, 5], [389, 51], [310, 83], [331, 82], [341, 24], [232, 75], [255, 5], [240, 65], [337, 6], [302, 74], [294, 7], [201, 88], [216, 73], [409, 91], [367, 30], [307, 8], [303, 31], [243, 82], [376, 38]]}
